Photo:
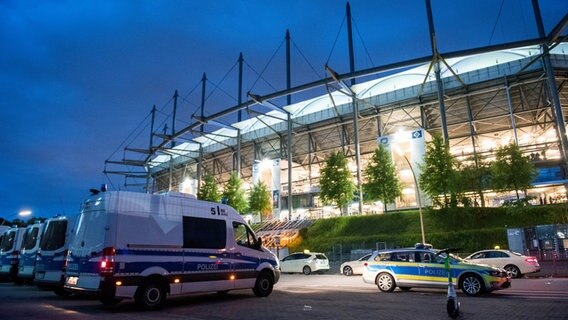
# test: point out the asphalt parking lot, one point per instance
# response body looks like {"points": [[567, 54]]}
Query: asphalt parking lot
{"points": [[318, 296]]}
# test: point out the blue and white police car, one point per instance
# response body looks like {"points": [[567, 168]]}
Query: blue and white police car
{"points": [[423, 267]]}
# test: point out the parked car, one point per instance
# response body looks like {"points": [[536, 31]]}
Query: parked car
{"points": [[304, 262], [514, 263], [353, 267], [424, 267]]}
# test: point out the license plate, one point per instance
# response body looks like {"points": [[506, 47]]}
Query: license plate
{"points": [[72, 281]]}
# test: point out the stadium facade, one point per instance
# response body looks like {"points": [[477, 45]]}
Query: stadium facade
{"points": [[476, 99]]}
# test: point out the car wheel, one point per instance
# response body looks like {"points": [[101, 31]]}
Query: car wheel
{"points": [[264, 284], [306, 270], [513, 271], [348, 271], [150, 296], [385, 282], [471, 284]]}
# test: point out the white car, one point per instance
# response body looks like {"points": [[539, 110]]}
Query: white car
{"points": [[304, 262], [350, 268], [515, 263]]}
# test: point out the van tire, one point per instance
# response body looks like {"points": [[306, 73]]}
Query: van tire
{"points": [[108, 301], [151, 295], [61, 292], [264, 284]]}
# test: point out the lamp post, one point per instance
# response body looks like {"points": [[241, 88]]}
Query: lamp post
{"points": [[418, 199]]}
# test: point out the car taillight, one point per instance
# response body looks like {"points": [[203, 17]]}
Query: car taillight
{"points": [[531, 260], [107, 261], [365, 264]]}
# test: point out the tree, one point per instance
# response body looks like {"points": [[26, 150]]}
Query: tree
{"points": [[208, 190], [336, 181], [234, 194], [438, 175], [474, 177], [382, 181], [260, 200], [511, 170]]}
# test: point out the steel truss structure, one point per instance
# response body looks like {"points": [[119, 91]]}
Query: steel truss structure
{"points": [[476, 99]]}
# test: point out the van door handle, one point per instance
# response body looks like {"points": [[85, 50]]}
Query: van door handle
{"points": [[238, 254]]}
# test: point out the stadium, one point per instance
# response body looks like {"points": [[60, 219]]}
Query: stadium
{"points": [[476, 99]]}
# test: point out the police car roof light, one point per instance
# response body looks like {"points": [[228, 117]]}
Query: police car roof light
{"points": [[423, 246]]}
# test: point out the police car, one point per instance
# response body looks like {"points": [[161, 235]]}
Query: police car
{"points": [[423, 267]]}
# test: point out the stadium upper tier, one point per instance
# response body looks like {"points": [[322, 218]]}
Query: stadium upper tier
{"points": [[415, 81]]}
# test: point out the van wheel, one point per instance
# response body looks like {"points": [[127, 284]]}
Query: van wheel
{"points": [[150, 296], [348, 271], [264, 284], [307, 270], [61, 292], [108, 301]]}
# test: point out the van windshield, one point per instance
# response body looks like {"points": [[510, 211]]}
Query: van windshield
{"points": [[8, 241], [54, 235], [31, 238]]}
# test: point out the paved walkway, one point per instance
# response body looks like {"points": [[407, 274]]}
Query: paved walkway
{"points": [[552, 269]]}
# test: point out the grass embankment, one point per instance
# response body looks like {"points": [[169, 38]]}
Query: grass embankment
{"points": [[470, 229]]}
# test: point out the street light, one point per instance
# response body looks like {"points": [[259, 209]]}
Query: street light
{"points": [[418, 200], [25, 213]]}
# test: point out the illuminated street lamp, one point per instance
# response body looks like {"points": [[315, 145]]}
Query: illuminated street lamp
{"points": [[25, 213], [418, 200]]}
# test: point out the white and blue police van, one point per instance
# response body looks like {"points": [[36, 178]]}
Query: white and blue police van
{"points": [[148, 246], [30, 247], [51, 257], [10, 253]]}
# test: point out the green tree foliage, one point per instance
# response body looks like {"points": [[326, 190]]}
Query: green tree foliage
{"points": [[382, 181], [511, 170], [439, 176], [209, 190], [234, 194], [474, 177], [336, 181], [260, 200]]}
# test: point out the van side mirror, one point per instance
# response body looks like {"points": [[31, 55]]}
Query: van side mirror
{"points": [[259, 243]]}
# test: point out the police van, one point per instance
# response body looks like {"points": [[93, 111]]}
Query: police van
{"points": [[30, 246], [146, 246], [10, 253], [50, 259]]}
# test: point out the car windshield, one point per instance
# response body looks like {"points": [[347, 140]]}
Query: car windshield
{"points": [[453, 258]]}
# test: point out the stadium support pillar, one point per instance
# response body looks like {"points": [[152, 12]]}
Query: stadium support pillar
{"points": [[350, 41], [511, 113], [239, 116], [436, 62], [355, 103], [150, 145], [552, 88], [289, 118]]}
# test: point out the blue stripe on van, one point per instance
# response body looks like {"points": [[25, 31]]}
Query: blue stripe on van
{"points": [[82, 265]]}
